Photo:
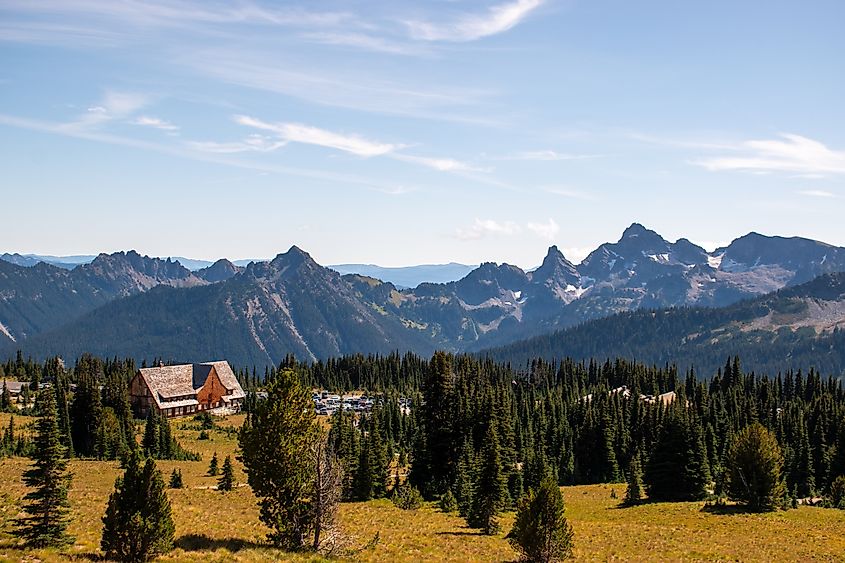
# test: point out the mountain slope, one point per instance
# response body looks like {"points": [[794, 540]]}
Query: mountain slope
{"points": [[288, 305], [795, 327], [43, 297], [408, 276]]}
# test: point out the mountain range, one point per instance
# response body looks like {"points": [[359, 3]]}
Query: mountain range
{"points": [[127, 304], [402, 277]]}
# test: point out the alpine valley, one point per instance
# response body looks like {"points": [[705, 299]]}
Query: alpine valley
{"points": [[128, 304]]}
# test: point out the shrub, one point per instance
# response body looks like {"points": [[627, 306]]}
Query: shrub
{"points": [[837, 492], [407, 497], [448, 502]]}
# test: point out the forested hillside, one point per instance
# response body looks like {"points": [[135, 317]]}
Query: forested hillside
{"points": [[796, 327]]}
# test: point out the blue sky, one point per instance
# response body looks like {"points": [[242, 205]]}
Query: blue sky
{"points": [[416, 132]]}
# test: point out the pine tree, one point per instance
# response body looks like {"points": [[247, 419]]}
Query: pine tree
{"points": [[378, 458], [275, 442], [213, 466], [634, 491], [465, 484], [150, 441], [176, 481], [754, 469], [227, 476], [47, 506], [490, 490], [63, 413], [540, 531], [138, 524], [6, 404]]}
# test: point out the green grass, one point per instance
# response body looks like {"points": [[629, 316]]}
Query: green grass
{"points": [[212, 526]]}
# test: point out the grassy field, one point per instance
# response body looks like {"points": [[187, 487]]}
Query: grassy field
{"points": [[212, 526]]}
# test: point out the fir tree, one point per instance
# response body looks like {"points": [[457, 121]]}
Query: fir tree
{"points": [[227, 476], [176, 481], [634, 491], [213, 466], [138, 524], [63, 413], [540, 531], [490, 490], [47, 506], [150, 441]]}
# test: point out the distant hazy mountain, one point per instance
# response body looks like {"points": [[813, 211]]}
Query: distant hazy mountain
{"points": [[29, 260], [70, 262], [260, 312], [408, 276], [797, 327]]}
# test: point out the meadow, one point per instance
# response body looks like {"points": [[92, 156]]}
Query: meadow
{"points": [[215, 526]]}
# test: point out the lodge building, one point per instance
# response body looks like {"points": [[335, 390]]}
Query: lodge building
{"points": [[185, 389]]}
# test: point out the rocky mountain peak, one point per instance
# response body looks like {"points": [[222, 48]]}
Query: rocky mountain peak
{"points": [[221, 270], [556, 268]]}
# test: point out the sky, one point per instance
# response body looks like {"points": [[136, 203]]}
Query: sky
{"points": [[399, 133]]}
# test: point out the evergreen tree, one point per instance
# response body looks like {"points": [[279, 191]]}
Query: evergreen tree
{"points": [[150, 441], [363, 484], [378, 458], [63, 414], [213, 466], [227, 476], [465, 485], [490, 490], [275, 442], [138, 524], [837, 493], [634, 491], [540, 531], [86, 410], [6, 404], [46, 505], [176, 481], [434, 456], [754, 469]]}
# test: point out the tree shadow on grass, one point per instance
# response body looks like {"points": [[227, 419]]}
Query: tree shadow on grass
{"points": [[200, 542], [727, 509], [461, 533]]}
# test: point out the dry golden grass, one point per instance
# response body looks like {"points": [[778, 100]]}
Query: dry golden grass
{"points": [[212, 526]]}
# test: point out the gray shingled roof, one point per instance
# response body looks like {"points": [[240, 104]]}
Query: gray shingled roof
{"points": [[176, 386]]}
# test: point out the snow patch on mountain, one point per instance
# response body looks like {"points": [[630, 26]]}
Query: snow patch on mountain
{"points": [[5, 331]]}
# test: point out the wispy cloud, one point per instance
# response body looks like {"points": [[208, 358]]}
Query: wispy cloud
{"points": [[441, 164], [186, 150], [252, 143], [816, 193], [550, 155], [366, 42], [482, 228], [789, 153], [395, 190], [112, 106], [470, 27], [564, 191], [547, 230], [155, 123], [305, 134]]}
